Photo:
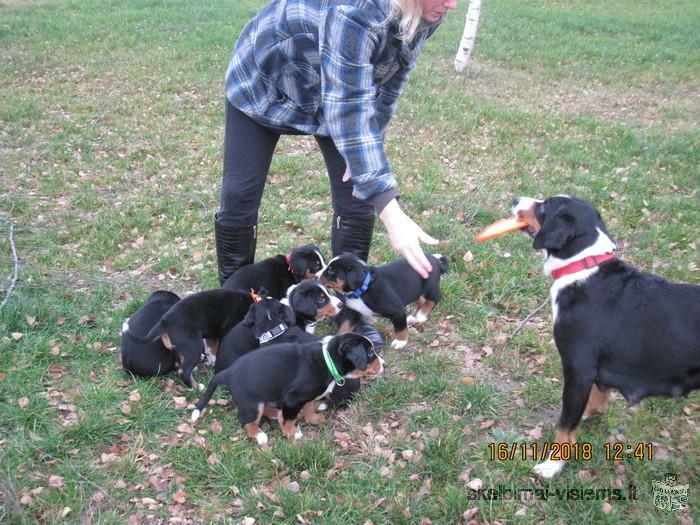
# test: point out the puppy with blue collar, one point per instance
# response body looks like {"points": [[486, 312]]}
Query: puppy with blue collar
{"points": [[385, 291]]}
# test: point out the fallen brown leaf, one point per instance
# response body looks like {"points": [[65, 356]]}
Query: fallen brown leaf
{"points": [[55, 481]]}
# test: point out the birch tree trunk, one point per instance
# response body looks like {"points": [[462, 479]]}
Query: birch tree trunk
{"points": [[469, 36]]}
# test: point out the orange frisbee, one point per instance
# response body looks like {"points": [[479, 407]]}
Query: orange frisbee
{"points": [[499, 228]]}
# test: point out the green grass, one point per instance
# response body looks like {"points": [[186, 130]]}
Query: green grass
{"points": [[111, 119]]}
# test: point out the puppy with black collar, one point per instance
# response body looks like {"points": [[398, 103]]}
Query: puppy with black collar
{"points": [[385, 291], [276, 274], [614, 326], [152, 358], [267, 322], [292, 376], [203, 315]]}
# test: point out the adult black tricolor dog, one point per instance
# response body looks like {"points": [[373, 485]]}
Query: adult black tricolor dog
{"points": [[614, 325]]}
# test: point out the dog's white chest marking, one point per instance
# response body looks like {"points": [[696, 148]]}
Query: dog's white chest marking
{"points": [[563, 282], [357, 304], [328, 390]]}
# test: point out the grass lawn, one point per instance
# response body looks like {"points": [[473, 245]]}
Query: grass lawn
{"points": [[111, 123]]}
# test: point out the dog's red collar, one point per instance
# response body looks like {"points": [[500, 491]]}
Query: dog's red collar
{"points": [[582, 264], [289, 266]]}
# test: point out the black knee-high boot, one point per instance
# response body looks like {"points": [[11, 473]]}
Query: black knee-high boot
{"points": [[352, 234], [235, 247]]}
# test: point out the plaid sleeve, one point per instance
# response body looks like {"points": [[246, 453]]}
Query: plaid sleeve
{"points": [[347, 41], [389, 95]]}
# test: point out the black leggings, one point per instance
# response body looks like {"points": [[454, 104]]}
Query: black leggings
{"points": [[248, 149]]}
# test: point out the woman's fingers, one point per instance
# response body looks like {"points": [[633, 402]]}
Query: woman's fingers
{"points": [[424, 237], [418, 261]]}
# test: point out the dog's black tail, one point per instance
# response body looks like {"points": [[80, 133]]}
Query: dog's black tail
{"points": [[204, 400], [443, 262], [153, 334]]}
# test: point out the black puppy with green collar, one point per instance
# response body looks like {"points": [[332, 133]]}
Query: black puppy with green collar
{"points": [[291, 376]]}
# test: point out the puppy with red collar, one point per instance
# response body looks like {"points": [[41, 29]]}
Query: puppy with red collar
{"points": [[182, 329], [291, 376], [614, 326], [385, 291], [276, 274]]}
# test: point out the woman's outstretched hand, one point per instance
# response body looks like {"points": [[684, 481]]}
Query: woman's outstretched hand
{"points": [[406, 236]]}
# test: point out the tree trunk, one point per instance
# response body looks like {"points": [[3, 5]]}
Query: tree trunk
{"points": [[469, 36]]}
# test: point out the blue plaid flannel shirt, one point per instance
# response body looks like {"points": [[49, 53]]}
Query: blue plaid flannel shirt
{"points": [[327, 67]]}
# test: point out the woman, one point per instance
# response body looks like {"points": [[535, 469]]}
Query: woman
{"points": [[332, 69]]}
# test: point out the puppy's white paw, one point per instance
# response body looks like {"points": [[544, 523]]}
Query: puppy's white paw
{"points": [[201, 387], [549, 468], [417, 319], [298, 435], [125, 326], [195, 415], [398, 344], [321, 407], [261, 438]]}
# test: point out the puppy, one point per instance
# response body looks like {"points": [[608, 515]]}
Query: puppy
{"points": [[278, 273], [614, 326], [292, 376], [152, 358], [209, 314], [268, 321], [311, 302], [385, 291]]}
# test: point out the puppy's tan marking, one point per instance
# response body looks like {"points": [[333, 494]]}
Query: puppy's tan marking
{"points": [[309, 414], [289, 428], [423, 311], [326, 311], [213, 345], [253, 428], [271, 412], [345, 327], [165, 338]]}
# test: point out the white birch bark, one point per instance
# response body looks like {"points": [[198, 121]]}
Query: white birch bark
{"points": [[468, 36]]}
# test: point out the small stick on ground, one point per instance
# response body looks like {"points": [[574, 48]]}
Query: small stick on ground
{"points": [[529, 316], [15, 262]]}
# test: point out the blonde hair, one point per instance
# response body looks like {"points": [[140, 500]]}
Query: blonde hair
{"points": [[409, 13]]}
